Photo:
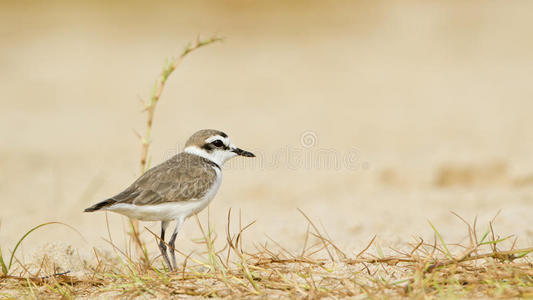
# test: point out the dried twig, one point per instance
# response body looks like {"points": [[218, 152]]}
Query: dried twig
{"points": [[150, 107]]}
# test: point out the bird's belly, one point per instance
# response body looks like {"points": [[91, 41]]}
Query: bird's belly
{"points": [[161, 212]]}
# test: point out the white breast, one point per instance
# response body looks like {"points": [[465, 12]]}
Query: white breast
{"points": [[172, 210]]}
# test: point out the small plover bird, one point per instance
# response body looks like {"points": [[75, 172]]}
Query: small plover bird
{"points": [[177, 188]]}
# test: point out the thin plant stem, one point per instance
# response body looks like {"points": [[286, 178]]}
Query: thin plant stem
{"points": [[146, 140]]}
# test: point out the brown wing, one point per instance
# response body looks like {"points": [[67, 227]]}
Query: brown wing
{"points": [[183, 177]]}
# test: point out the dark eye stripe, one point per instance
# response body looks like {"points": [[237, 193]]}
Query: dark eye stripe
{"points": [[209, 147]]}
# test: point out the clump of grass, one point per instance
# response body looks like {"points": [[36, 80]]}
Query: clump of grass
{"points": [[478, 268]]}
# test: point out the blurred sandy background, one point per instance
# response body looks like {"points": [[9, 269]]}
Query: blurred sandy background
{"points": [[431, 102]]}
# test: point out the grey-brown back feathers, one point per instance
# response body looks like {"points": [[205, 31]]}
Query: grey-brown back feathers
{"points": [[181, 178]]}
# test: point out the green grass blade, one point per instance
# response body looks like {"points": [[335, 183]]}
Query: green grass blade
{"points": [[520, 255], [494, 242], [28, 233], [4, 267], [441, 241], [484, 236]]}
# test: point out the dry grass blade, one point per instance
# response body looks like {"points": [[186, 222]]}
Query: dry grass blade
{"points": [[500, 255], [367, 246], [317, 234]]}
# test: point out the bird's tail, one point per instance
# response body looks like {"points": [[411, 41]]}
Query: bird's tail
{"points": [[100, 205]]}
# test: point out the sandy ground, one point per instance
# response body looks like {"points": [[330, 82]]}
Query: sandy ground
{"points": [[371, 117]]}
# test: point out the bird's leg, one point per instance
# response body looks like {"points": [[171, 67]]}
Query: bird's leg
{"points": [[179, 222], [162, 246]]}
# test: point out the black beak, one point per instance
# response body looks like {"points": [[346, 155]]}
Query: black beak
{"points": [[243, 152]]}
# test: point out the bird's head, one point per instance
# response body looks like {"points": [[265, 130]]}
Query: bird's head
{"points": [[214, 145]]}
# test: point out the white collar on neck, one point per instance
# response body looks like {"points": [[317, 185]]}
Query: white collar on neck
{"points": [[219, 157]]}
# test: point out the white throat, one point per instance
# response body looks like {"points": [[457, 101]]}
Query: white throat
{"points": [[217, 156]]}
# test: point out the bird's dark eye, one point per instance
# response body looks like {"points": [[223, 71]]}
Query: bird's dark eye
{"points": [[218, 143]]}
